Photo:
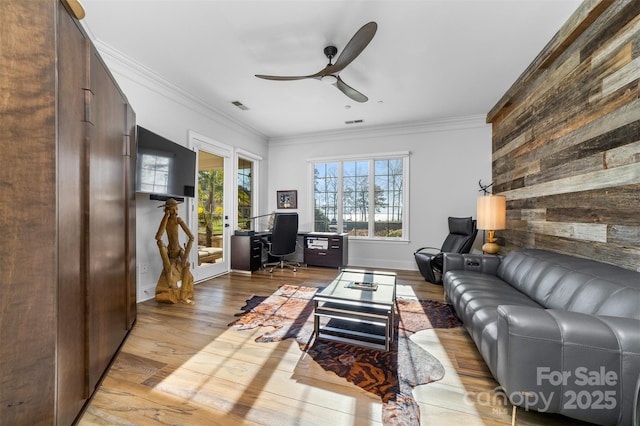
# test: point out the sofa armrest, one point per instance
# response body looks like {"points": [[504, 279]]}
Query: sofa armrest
{"points": [[483, 263], [583, 366]]}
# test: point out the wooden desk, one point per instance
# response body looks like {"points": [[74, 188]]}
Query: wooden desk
{"points": [[248, 253]]}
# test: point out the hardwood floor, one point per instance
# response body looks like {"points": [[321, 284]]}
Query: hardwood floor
{"points": [[183, 365]]}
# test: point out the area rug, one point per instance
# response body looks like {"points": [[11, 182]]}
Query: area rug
{"points": [[288, 313]]}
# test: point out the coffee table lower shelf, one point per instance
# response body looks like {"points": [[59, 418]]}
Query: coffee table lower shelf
{"points": [[367, 326]]}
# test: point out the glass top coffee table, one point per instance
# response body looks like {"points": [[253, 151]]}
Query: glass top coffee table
{"points": [[358, 307]]}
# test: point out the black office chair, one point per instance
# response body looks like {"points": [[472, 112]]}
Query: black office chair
{"points": [[282, 242], [462, 234]]}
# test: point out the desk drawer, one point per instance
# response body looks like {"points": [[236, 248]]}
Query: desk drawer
{"points": [[317, 257]]}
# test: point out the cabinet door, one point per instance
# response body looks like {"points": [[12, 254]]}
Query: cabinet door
{"points": [[130, 216], [71, 334], [107, 221]]}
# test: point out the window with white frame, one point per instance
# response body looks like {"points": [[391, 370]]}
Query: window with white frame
{"points": [[245, 193], [364, 197], [247, 170]]}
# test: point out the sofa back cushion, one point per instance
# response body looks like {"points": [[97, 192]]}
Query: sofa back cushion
{"points": [[558, 281]]}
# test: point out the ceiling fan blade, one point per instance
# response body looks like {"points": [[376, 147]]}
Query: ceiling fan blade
{"points": [[356, 45], [350, 91], [323, 72], [283, 78]]}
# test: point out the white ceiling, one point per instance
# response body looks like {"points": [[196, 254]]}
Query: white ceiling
{"points": [[430, 60]]}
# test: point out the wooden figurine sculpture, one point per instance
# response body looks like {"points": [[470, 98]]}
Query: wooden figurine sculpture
{"points": [[176, 282]]}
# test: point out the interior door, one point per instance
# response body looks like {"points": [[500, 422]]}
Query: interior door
{"points": [[211, 209]]}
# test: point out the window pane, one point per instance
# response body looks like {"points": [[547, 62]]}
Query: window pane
{"points": [[245, 193], [388, 198], [355, 215], [325, 196], [362, 168]]}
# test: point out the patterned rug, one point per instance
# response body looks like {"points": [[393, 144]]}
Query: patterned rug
{"points": [[288, 313]]}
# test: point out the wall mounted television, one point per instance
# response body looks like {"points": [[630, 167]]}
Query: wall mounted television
{"points": [[164, 168]]}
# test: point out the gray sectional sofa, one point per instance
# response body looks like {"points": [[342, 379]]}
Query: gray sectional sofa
{"points": [[560, 334]]}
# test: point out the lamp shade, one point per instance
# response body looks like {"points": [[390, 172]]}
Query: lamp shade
{"points": [[492, 212]]}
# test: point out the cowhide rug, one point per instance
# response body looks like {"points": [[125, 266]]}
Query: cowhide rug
{"points": [[391, 375]]}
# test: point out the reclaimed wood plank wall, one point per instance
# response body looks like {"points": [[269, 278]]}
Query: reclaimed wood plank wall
{"points": [[566, 140]]}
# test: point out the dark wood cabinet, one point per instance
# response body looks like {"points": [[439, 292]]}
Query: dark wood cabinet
{"points": [[326, 249], [246, 252], [66, 173]]}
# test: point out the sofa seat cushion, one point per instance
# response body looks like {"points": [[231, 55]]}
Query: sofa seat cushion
{"points": [[476, 297]]}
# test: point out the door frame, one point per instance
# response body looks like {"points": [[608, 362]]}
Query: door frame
{"points": [[198, 142]]}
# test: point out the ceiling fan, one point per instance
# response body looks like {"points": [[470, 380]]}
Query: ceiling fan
{"points": [[329, 74]]}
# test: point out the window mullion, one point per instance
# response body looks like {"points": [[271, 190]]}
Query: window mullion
{"points": [[405, 197], [339, 207], [372, 198]]}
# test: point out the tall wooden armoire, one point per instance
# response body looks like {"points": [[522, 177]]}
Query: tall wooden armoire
{"points": [[67, 215]]}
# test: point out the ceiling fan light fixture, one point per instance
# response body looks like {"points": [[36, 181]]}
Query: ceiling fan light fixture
{"points": [[329, 79], [330, 52]]}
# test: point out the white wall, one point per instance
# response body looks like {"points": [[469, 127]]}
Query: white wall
{"points": [[447, 159], [172, 113]]}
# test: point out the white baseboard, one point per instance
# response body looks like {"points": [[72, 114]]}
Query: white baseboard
{"points": [[147, 292]]}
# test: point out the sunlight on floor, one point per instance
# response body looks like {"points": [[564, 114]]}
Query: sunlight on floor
{"points": [[430, 396], [277, 375], [198, 382], [405, 291], [438, 394]]}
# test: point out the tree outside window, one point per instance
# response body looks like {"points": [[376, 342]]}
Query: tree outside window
{"points": [[344, 202], [210, 203], [245, 193]]}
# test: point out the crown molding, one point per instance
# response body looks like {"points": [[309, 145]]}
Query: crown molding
{"points": [[121, 64], [396, 129]]}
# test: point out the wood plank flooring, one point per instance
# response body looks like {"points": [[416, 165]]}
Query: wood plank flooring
{"points": [[183, 365]]}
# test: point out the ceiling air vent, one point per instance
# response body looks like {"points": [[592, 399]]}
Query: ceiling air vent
{"points": [[354, 122], [240, 105]]}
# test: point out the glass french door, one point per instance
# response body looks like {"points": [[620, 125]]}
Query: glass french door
{"points": [[211, 209]]}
